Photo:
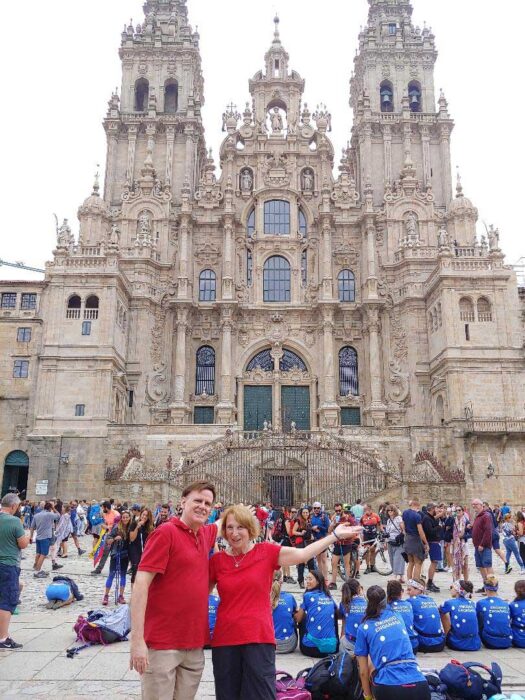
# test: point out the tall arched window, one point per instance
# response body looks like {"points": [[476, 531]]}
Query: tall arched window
{"points": [[386, 95], [263, 360], [276, 279], [484, 310], [466, 310], [290, 361], [277, 217], [171, 96], [303, 225], [91, 308], [348, 375], [205, 374], [414, 96], [207, 285], [141, 95], [346, 283], [250, 226]]}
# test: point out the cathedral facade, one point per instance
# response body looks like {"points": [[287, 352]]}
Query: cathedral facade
{"points": [[269, 307]]}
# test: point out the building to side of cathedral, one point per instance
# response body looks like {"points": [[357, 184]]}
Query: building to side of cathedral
{"points": [[291, 333]]}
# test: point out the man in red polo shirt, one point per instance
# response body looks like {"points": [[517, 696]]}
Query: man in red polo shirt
{"points": [[169, 610]]}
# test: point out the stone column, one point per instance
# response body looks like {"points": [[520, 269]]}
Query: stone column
{"points": [[170, 140], [225, 408], [425, 140], [387, 147], [111, 162], [329, 409], [132, 144], [445, 162], [179, 407], [377, 408]]}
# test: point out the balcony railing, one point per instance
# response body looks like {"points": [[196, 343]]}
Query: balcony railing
{"points": [[73, 313], [496, 425]]}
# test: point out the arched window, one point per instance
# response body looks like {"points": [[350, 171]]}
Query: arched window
{"points": [[73, 306], [205, 374], [484, 310], [207, 285], [263, 360], [346, 282], [348, 376], [440, 410], [171, 96], [303, 225], [276, 279], [386, 95], [250, 226], [91, 308], [277, 217], [141, 95], [414, 96], [290, 361], [466, 310]]}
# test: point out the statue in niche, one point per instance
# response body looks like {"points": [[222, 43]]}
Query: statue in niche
{"points": [[144, 224], [443, 237], [276, 121], [246, 180], [307, 180], [114, 236], [412, 229]]}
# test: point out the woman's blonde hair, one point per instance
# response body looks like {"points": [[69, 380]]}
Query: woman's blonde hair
{"points": [[276, 588], [244, 517]]}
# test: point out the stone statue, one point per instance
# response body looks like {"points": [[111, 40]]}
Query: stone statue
{"points": [[144, 224], [411, 227], [265, 425], [64, 235], [276, 121], [293, 426], [493, 236], [158, 187], [308, 180], [443, 237], [114, 236], [246, 180]]}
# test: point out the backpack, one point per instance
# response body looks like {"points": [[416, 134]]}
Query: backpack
{"points": [[278, 531], [336, 677], [464, 682], [289, 688], [101, 627]]}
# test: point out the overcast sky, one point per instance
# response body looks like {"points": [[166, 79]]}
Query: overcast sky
{"points": [[60, 60]]}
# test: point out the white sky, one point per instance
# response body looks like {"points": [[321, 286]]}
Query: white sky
{"points": [[61, 64]]}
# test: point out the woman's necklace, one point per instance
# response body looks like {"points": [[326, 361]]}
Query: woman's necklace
{"points": [[238, 563]]}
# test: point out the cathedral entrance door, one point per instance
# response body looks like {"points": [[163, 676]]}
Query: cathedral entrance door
{"points": [[16, 469], [281, 490], [257, 407], [295, 407]]}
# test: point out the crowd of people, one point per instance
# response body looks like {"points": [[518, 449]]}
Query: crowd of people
{"points": [[203, 575]]}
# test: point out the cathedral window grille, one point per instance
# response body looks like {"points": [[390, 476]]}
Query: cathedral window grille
{"points": [[304, 268], [386, 95], [484, 310], [80, 410], [171, 97], [23, 335], [263, 360], [28, 302], [277, 217], [141, 95], [207, 285], [205, 374], [249, 268], [91, 308], [346, 282], [290, 361], [392, 28], [466, 310], [250, 227], [303, 226], [73, 306], [348, 372], [414, 96], [276, 279], [86, 327], [21, 369], [8, 300]]}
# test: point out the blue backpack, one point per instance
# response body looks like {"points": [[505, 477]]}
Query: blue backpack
{"points": [[464, 682]]}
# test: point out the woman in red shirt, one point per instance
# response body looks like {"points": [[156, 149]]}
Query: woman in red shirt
{"points": [[243, 646]]}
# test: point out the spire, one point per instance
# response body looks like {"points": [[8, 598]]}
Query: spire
{"points": [[276, 57], [276, 36]]}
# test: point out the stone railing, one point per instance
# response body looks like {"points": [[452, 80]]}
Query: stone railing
{"points": [[496, 425], [416, 252]]}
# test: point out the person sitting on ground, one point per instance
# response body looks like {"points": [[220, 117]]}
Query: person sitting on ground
{"points": [[317, 619], [494, 617], [427, 621], [284, 607], [119, 556], [517, 615], [382, 636], [352, 610], [403, 609], [459, 618]]}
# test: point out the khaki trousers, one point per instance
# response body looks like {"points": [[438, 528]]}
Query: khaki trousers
{"points": [[173, 674]]}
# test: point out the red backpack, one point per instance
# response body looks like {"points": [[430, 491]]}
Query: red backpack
{"points": [[289, 688]]}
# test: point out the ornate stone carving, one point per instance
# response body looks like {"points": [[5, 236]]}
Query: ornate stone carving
{"points": [[246, 181], [209, 194], [277, 173], [157, 387], [346, 255], [400, 383], [207, 253]]}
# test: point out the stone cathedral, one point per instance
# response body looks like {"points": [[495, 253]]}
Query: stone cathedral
{"points": [[290, 323]]}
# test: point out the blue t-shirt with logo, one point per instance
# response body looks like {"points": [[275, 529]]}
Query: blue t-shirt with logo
{"points": [[404, 611], [494, 622], [517, 623], [354, 616], [320, 611], [385, 639], [213, 604], [464, 631], [411, 519], [283, 622], [427, 621]]}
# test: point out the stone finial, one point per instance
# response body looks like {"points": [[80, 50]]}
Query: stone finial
{"points": [[459, 186], [96, 183], [276, 36]]}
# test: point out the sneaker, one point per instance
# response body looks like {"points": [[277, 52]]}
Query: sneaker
{"points": [[41, 574], [301, 584], [95, 572], [291, 580], [368, 570], [57, 566], [81, 552], [10, 644], [16, 611], [508, 569], [481, 590], [105, 600], [433, 588], [121, 600], [332, 586]]}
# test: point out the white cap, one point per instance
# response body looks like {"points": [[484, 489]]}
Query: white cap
{"points": [[317, 505]]}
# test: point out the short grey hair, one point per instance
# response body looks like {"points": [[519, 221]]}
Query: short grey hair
{"points": [[10, 500]]}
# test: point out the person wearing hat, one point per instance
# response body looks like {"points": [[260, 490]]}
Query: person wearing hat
{"points": [[494, 617], [427, 620], [459, 618]]}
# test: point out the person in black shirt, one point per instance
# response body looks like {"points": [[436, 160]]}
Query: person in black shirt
{"points": [[434, 534], [138, 534]]}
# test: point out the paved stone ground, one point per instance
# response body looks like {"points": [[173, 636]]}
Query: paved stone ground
{"points": [[42, 669]]}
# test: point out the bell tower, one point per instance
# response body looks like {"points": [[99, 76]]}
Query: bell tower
{"points": [[393, 98], [157, 118]]}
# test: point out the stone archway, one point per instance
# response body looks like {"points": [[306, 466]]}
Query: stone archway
{"points": [[16, 471]]}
